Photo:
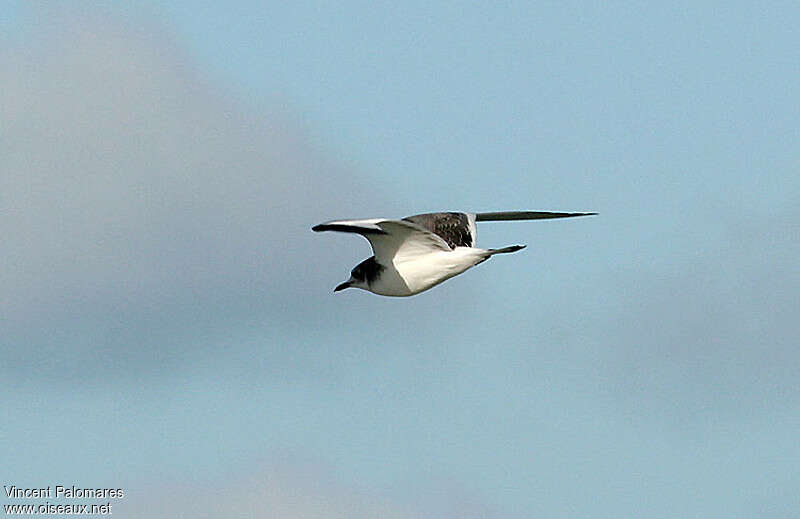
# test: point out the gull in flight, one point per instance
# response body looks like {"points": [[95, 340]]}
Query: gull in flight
{"points": [[420, 251]]}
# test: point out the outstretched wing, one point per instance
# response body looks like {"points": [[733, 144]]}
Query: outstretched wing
{"points": [[391, 240], [524, 215], [457, 229]]}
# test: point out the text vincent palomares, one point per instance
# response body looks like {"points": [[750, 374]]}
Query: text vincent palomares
{"points": [[63, 492]]}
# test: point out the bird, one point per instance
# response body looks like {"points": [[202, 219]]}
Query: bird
{"points": [[416, 253]]}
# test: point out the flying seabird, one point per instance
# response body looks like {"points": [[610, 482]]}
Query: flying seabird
{"points": [[420, 251]]}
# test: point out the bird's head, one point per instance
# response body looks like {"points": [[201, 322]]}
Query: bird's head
{"points": [[362, 275]]}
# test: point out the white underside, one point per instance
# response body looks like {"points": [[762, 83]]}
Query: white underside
{"points": [[411, 276]]}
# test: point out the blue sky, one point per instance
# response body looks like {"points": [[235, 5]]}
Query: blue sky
{"points": [[168, 320]]}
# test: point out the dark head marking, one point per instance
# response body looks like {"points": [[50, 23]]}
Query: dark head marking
{"points": [[367, 271]]}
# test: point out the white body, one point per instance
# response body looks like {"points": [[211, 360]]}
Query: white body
{"points": [[409, 276]]}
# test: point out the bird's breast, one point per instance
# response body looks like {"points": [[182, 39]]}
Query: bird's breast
{"points": [[423, 272]]}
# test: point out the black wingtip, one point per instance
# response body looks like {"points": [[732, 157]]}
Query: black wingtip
{"points": [[571, 215], [524, 215], [347, 228]]}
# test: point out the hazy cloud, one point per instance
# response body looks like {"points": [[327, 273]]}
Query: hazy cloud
{"points": [[287, 491], [139, 202], [708, 333]]}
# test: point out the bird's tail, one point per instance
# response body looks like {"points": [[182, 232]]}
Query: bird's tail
{"points": [[505, 250]]}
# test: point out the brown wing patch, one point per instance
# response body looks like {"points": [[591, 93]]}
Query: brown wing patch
{"points": [[451, 227]]}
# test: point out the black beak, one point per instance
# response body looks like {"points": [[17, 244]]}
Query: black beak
{"points": [[344, 285]]}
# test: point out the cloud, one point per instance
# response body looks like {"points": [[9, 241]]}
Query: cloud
{"points": [[140, 203], [286, 491], [708, 333]]}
